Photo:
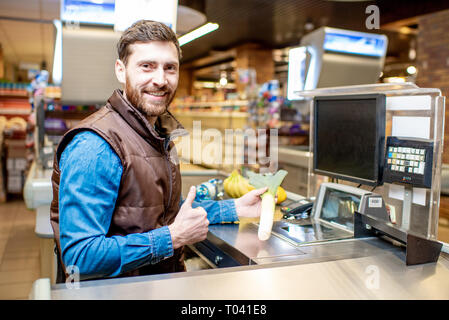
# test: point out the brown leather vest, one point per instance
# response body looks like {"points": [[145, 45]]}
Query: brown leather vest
{"points": [[150, 186]]}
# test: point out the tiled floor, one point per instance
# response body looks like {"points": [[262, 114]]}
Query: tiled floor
{"points": [[19, 250]]}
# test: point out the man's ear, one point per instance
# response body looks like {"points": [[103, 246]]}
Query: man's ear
{"points": [[120, 71]]}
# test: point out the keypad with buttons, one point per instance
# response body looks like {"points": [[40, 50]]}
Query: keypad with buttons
{"points": [[407, 160]]}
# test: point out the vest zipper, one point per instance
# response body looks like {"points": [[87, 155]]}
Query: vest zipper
{"points": [[167, 160]]}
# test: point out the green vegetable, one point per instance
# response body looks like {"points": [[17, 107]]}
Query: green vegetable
{"points": [[258, 180], [268, 199]]}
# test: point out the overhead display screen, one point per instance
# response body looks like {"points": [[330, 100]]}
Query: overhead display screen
{"points": [[119, 13], [352, 43], [92, 12]]}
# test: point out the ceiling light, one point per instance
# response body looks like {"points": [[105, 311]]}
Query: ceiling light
{"points": [[411, 70], [199, 32], [57, 55], [394, 80], [405, 30], [204, 84], [223, 82], [309, 26]]}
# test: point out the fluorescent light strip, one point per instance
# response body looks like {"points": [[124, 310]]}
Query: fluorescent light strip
{"points": [[199, 32], [57, 56]]}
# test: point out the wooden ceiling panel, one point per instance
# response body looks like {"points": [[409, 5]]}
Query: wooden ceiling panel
{"points": [[275, 24], [281, 23]]}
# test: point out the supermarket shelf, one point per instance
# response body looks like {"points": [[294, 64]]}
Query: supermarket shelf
{"points": [[14, 96], [10, 111], [76, 115], [211, 114]]}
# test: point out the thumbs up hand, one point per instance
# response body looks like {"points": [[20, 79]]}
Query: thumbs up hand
{"points": [[190, 225]]}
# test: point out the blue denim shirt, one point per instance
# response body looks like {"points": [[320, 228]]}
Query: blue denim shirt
{"points": [[88, 189]]}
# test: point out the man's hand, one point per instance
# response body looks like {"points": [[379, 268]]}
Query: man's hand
{"points": [[249, 205], [190, 225]]}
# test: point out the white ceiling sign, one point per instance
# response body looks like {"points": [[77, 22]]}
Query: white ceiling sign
{"points": [[129, 11]]}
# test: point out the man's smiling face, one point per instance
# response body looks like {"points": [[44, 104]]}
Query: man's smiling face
{"points": [[151, 76]]}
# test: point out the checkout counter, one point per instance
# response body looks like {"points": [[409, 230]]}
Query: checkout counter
{"points": [[348, 273], [245, 268], [369, 260]]}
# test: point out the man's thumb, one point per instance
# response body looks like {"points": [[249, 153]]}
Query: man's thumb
{"points": [[191, 196]]}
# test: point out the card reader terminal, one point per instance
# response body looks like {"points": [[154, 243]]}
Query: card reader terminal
{"points": [[298, 209]]}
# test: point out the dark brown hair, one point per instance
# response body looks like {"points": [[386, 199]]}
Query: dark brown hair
{"points": [[145, 31]]}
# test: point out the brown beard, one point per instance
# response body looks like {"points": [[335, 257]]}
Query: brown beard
{"points": [[135, 97]]}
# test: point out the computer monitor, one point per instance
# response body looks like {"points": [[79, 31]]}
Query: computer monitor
{"points": [[349, 137]]}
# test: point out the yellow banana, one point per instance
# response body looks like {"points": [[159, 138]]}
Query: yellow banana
{"points": [[232, 187], [236, 185], [244, 186], [228, 184], [240, 186]]}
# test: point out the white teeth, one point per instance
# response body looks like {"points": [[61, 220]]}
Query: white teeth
{"points": [[159, 94]]}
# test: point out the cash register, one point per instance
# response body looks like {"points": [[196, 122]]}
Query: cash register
{"points": [[349, 144], [343, 149]]}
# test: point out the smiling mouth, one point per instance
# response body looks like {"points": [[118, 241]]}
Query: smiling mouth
{"points": [[156, 94]]}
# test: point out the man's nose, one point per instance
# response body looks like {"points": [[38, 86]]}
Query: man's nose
{"points": [[159, 78]]}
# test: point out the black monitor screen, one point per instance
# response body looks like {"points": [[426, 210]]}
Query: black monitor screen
{"points": [[349, 137]]}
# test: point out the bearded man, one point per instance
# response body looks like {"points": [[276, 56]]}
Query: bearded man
{"points": [[117, 208]]}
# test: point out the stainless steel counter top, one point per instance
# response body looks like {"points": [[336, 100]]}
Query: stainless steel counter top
{"points": [[382, 275], [241, 242], [369, 268]]}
